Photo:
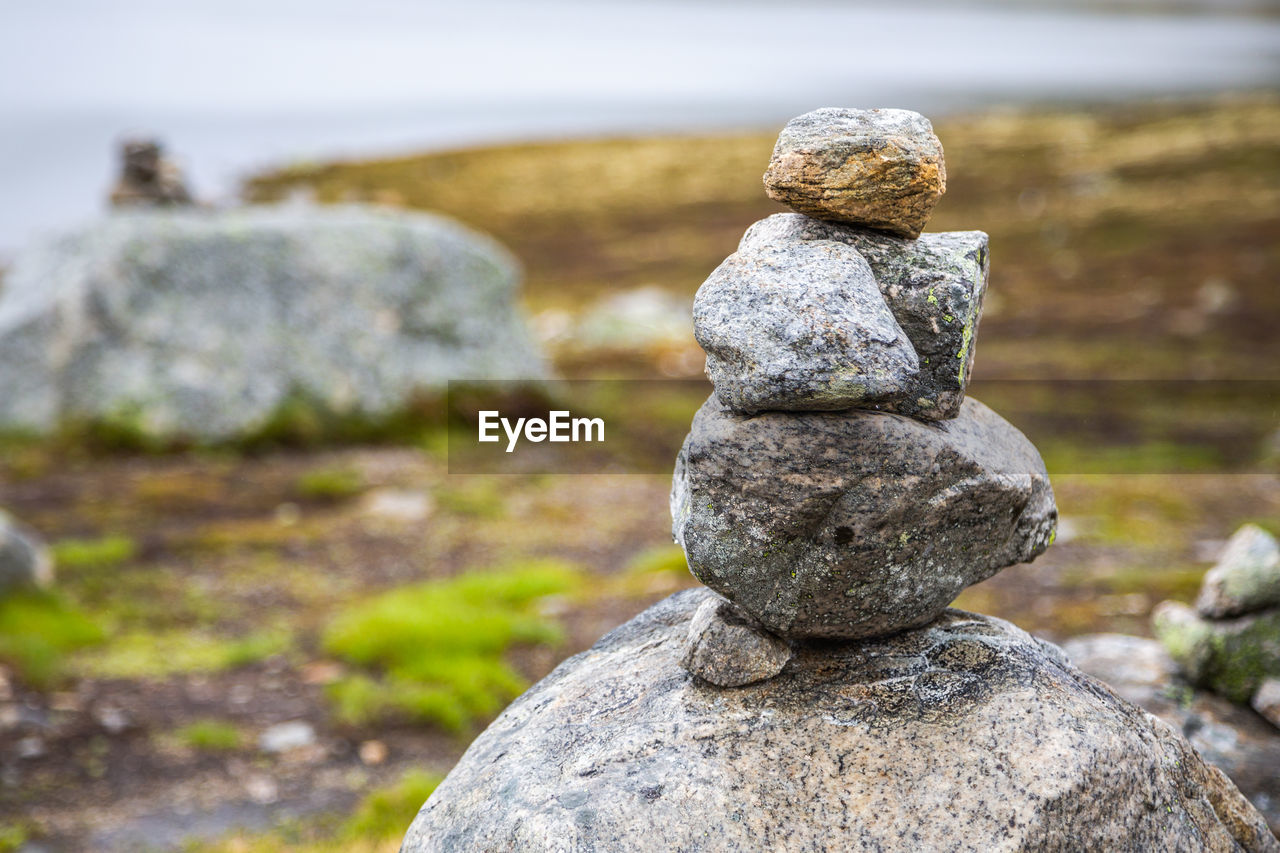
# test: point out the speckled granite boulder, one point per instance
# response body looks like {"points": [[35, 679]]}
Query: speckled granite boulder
{"points": [[855, 524], [25, 561], [967, 735], [207, 324], [800, 326], [728, 649], [1246, 577], [1226, 735], [877, 168], [1231, 657], [934, 288]]}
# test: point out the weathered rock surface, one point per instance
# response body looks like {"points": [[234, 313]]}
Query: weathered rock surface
{"points": [[25, 561], [727, 649], [878, 168], [1246, 577], [205, 324], [934, 287], [1228, 736], [1231, 657], [965, 735], [797, 328], [1266, 701], [855, 524]]}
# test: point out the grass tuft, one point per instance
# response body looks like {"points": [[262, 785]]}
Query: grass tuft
{"points": [[210, 736], [37, 630], [102, 553], [437, 647]]}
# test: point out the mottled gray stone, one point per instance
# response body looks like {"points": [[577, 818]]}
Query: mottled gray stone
{"points": [[1226, 735], [933, 286], [1266, 701], [205, 324], [25, 561], [1231, 657], [877, 168], [728, 649], [1246, 577], [854, 524], [966, 735], [800, 327]]}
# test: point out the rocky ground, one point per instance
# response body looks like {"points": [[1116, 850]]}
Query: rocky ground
{"points": [[1137, 243]]}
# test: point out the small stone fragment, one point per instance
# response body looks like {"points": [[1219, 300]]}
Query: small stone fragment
{"points": [[1266, 701], [800, 327], [877, 168], [284, 737], [1246, 578], [727, 649], [934, 288], [1231, 657], [25, 561], [855, 524]]}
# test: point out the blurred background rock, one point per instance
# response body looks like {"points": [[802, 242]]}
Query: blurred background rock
{"points": [[326, 577]]}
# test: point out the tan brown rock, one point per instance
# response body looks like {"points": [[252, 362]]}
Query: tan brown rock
{"points": [[877, 168]]}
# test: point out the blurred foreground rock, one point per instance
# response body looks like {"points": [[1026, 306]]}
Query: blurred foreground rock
{"points": [[1232, 738], [968, 733], [207, 324], [25, 561]]}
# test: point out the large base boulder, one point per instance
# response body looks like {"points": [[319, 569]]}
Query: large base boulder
{"points": [[855, 524], [206, 324], [965, 735]]}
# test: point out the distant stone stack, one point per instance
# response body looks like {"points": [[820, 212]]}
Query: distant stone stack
{"points": [[1230, 641], [838, 485]]}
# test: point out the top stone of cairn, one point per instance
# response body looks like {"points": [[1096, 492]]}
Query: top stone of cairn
{"points": [[875, 168]]}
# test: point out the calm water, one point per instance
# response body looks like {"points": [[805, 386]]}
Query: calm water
{"points": [[235, 85]]}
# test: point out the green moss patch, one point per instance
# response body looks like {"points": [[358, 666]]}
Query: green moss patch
{"points": [[38, 630], [433, 652]]}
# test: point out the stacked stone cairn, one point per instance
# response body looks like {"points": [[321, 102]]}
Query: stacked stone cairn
{"points": [[835, 493], [1230, 641], [838, 485]]}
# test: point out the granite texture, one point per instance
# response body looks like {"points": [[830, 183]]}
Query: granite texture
{"points": [[800, 327], [967, 735], [1231, 657], [1246, 577], [882, 169], [855, 524], [726, 648], [25, 560], [934, 287], [1231, 738], [207, 324]]}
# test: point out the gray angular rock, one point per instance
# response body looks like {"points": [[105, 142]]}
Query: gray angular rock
{"points": [[1231, 657], [1246, 577], [966, 735], [802, 327], [205, 324], [25, 561], [877, 168], [1266, 701], [934, 287], [1226, 735], [727, 649], [855, 524]]}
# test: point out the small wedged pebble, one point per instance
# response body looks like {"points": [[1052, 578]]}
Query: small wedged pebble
{"points": [[728, 649]]}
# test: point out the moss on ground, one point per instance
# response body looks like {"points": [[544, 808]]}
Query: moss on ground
{"points": [[434, 651]]}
